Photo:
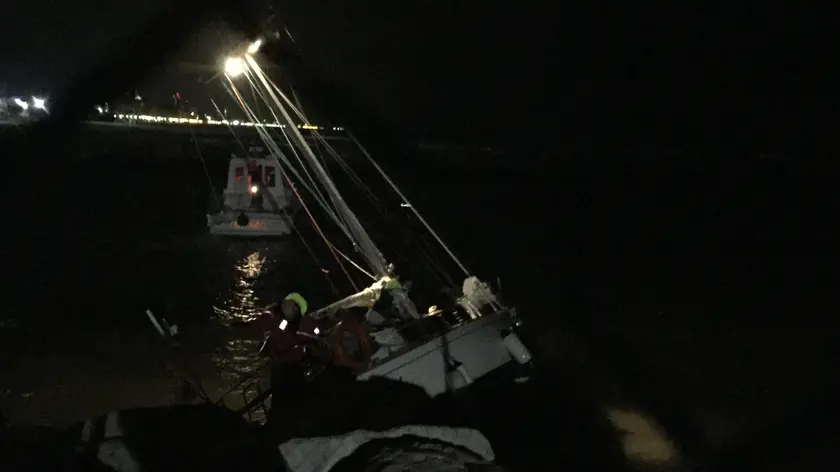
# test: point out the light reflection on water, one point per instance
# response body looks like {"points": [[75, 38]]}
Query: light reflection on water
{"points": [[254, 284], [238, 358], [242, 303], [119, 362], [256, 270]]}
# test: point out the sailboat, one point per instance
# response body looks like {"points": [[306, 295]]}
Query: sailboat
{"points": [[472, 339], [438, 350]]}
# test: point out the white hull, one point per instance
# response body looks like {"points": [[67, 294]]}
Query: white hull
{"points": [[260, 224], [477, 345]]}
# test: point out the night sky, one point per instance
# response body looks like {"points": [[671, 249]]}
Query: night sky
{"points": [[511, 70]]}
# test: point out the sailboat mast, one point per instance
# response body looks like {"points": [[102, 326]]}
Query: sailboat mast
{"points": [[366, 245]]}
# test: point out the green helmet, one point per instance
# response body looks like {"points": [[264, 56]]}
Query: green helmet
{"points": [[299, 301], [393, 283]]}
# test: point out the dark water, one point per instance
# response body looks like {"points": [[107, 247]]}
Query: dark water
{"points": [[706, 296]]}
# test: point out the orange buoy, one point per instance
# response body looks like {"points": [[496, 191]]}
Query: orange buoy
{"points": [[340, 356]]}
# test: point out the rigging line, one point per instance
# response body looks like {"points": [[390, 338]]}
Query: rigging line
{"points": [[216, 196], [385, 176], [299, 114], [288, 141], [300, 198], [421, 244], [256, 102], [316, 142], [303, 166], [348, 259], [335, 211], [276, 151], [320, 154], [364, 242], [297, 108], [312, 253], [311, 180], [226, 122], [433, 265], [318, 228], [277, 89], [318, 138], [262, 131], [347, 169], [414, 210], [297, 101], [337, 250], [288, 217]]}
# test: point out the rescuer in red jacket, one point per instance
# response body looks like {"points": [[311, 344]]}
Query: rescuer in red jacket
{"points": [[289, 329], [291, 332]]}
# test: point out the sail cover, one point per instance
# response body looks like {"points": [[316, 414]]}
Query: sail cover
{"points": [[365, 298]]}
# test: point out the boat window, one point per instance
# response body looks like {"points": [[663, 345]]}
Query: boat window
{"points": [[270, 176], [240, 172]]}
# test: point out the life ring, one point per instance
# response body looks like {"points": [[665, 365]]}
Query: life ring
{"points": [[341, 357]]}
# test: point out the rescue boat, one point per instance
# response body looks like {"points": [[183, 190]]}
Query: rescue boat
{"points": [[256, 201]]}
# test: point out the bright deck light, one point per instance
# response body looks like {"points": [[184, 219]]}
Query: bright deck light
{"points": [[39, 103], [255, 46], [234, 66]]}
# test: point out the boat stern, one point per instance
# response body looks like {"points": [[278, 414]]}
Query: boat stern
{"points": [[255, 224]]}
